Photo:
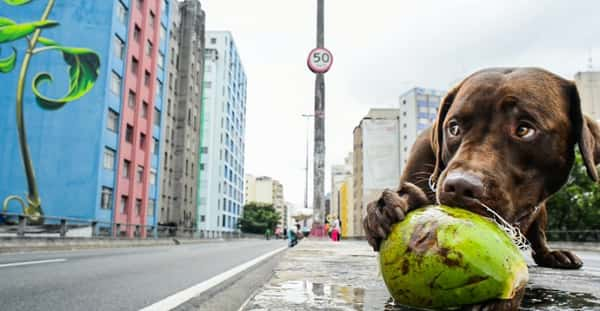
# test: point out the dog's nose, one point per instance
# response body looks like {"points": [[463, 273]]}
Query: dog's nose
{"points": [[463, 185]]}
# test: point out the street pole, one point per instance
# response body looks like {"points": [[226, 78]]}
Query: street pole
{"points": [[306, 165], [319, 146]]}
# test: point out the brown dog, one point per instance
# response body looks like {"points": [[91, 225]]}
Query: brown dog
{"points": [[504, 138]]}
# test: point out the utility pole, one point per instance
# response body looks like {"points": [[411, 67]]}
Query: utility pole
{"points": [[319, 151], [319, 62]]}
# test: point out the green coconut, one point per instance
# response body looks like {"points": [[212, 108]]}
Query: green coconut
{"points": [[442, 257]]}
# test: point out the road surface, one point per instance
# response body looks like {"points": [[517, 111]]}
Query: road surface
{"points": [[117, 279]]}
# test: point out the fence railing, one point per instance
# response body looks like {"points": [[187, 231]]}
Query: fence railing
{"points": [[573, 235], [16, 225]]}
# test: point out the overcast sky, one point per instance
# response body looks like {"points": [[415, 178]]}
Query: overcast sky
{"points": [[382, 48]]}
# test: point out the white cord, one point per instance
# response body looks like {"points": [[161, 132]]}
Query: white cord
{"points": [[513, 232]]}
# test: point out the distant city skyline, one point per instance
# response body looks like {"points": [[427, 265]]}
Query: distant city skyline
{"points": [[380, 52]]}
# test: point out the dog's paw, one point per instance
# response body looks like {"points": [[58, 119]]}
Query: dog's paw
{"points": [[389, 209], [558, 259]]}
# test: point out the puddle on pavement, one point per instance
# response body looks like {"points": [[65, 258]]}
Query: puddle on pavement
{"points": [[541, 299], [309, 296]]}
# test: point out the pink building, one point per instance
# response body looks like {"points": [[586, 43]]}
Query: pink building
{"points": [[138, 117]]}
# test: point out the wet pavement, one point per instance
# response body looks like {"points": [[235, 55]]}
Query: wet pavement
{"points": [[323, 275]]}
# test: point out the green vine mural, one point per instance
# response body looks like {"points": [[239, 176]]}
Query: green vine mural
{"points": [[83, 65]]}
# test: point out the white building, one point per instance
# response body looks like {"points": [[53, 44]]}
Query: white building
{"points": [[588, 86], [418, 110], [223, 123], [376, 160], [339, 173]]}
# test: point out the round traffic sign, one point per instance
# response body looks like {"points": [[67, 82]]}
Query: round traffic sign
{"points": [[319, 60]]}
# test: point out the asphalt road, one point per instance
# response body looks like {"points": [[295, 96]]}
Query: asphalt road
{"points": [[116, 279]]}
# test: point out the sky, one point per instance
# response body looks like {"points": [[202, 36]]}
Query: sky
{"points": [[381, 49]]}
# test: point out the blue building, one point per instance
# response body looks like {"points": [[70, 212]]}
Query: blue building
{"points": [[418, 110], [75, 150], [223, 127]]}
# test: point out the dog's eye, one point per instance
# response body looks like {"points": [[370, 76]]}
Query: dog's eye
{"points": [[453, 128], [524, 131]]}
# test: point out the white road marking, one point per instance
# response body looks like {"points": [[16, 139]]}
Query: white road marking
{"points": [[179, 298], [27, 263]]}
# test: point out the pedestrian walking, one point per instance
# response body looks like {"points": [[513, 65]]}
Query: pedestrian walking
{"points": [[335, 230]]}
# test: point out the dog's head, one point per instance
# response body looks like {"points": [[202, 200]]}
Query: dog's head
{"points": [[506, 138]]}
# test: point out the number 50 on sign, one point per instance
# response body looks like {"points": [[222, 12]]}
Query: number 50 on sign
{"points": [[319, 60]]}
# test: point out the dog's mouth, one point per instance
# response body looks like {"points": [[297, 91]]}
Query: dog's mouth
{"points": [[478, 207], [471, 204]]}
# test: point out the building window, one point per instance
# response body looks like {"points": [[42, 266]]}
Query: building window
{"points": [[106, 198], [109, 159], [129, 134], [208, 84], [138, 206], [152, 19], [163, 33], [137, 33], [139, 176], [131, 100], [159, 89], [144, 110], [115, 84], [151, 207], [135, 65], [126, 168], [142, 140], [204, 150], [161, 60], [155, 146], [124, 204], [156, 117], [121, 13], [147, 78], [112, 121], [213, 40], [152, 177], [119, 48], [148, 48]]}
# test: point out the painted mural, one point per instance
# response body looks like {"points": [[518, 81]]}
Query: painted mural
{"points": [[83, 69]]}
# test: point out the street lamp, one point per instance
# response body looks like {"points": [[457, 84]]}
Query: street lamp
{"points": [[307, 116]]}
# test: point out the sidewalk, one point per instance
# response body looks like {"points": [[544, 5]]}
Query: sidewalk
{"points": [[323, 275]]}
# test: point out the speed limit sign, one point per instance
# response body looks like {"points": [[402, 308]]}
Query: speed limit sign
{"points": [[319, 60]]}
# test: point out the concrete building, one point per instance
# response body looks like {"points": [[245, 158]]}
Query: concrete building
{"points": [[347, 207], [588, 86], [266, 190], [418, 110], [182, 120], [223, 127], [98, 157], [376, 160], [338, 176]]}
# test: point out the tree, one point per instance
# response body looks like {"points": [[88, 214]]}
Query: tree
{"points": [[258, 217], [577, 205]]}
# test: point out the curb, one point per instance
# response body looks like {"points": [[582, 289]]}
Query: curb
{"points": [[14, 245]]}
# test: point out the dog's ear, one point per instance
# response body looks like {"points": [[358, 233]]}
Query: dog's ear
{"points": [[586, 131], [437, 133]]}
